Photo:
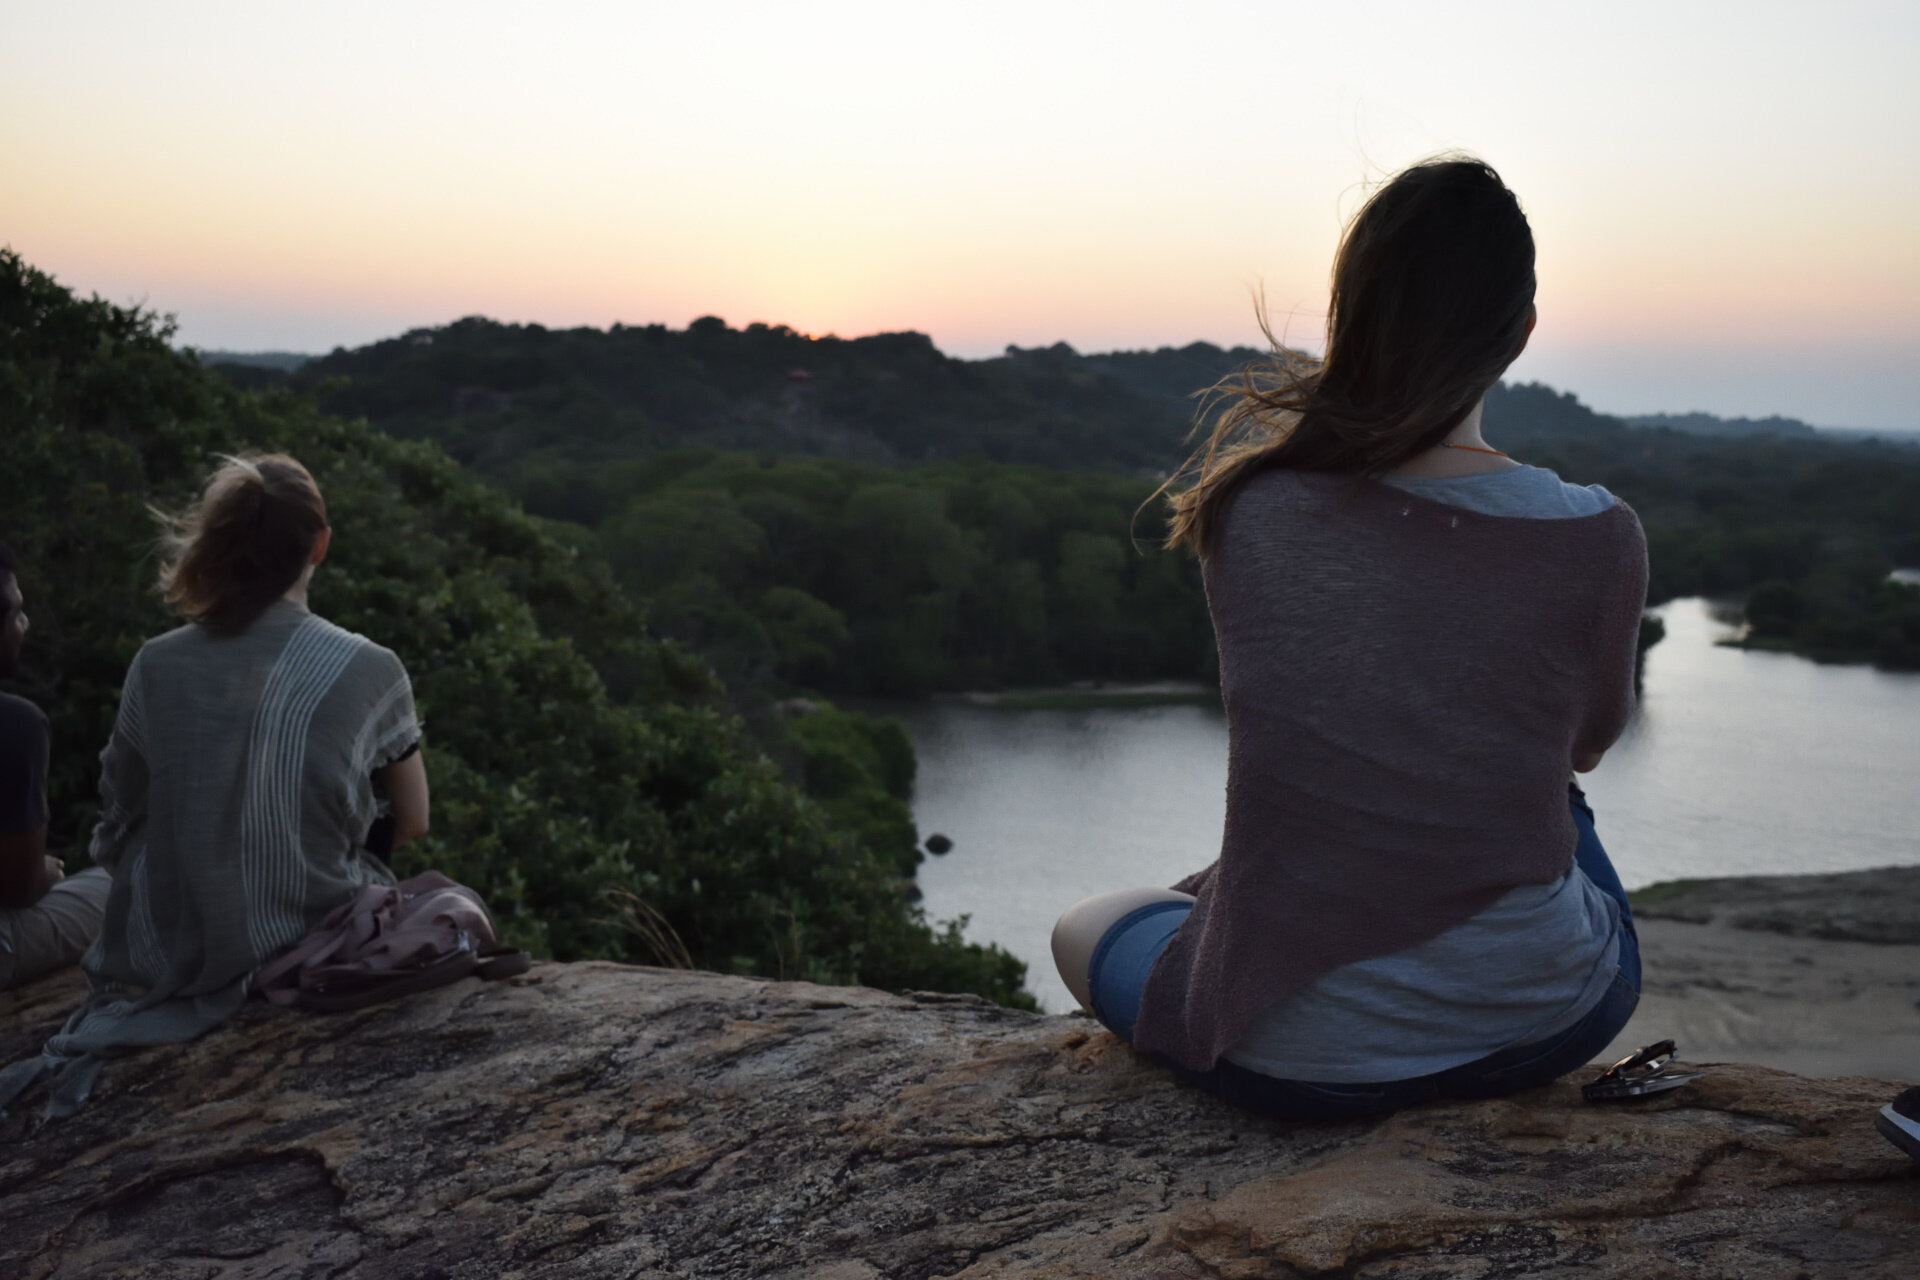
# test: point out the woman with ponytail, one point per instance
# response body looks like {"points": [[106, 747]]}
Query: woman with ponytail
{"points": [[257, 749], [1421, 641]]}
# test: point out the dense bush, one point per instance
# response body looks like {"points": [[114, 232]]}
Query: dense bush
{"points": [[585, 778], [861, 770]]}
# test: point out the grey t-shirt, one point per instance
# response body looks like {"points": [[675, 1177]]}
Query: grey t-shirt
{"points": [[1529, 966], [1531, 493]]}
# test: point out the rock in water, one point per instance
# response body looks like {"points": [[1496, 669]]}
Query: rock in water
{"points": [[937, 843], [591, 1120]]}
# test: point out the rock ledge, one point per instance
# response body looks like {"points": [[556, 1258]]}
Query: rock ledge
{"points": [[591, 1120]]}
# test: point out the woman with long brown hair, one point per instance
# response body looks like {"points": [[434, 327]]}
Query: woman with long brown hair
{"points": [[257, 749], [1421, 641]]}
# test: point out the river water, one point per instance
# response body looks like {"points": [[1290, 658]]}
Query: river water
{"points": [[1737, 762]]}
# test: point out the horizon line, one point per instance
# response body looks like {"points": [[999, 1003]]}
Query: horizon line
{"points": [[1836, 428]]}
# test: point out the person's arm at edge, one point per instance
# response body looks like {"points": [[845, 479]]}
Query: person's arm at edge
{"points": [[405, 784], [1618, 653], [27, 871]]}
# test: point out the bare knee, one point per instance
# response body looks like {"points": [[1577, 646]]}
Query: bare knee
{"points": [[1082, 925]]}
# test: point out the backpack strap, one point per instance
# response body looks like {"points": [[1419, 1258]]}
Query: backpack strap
{"points": [[352, 988], [502, 962]]}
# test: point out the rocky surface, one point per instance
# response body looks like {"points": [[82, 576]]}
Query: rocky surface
{"points": [[1815, 974], [591, 1120], [1881, 906]]}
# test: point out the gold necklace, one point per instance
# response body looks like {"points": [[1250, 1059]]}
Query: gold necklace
{"points": [[1476, 449]]}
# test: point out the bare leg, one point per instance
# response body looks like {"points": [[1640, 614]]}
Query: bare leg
{"points": [[1080, 929]]}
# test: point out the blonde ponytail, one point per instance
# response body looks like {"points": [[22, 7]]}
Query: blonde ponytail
{"points": [[244, 544]]}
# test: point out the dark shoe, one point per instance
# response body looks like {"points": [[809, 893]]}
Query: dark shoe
{"points": [[1899, 1120]]}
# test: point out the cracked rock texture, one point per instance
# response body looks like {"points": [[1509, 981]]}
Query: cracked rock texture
{"points": [[591, 1120]]}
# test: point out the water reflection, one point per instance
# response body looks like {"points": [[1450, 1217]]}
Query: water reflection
{"points": [[1747, 762], [1047, 807], [1738, 762]]}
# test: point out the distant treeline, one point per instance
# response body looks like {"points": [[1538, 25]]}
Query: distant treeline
{"points": [[1707, 424], [592, 426], [499, 396]]}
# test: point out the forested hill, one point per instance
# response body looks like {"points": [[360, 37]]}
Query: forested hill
{"points": [[772, 569], [503, 397], [511, 399], [1707, 424]]}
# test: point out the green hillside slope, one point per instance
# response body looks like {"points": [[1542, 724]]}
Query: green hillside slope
{"points": [[585, 779]]}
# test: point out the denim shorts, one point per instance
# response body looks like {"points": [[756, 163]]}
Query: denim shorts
{"points": [[1118, 969]]}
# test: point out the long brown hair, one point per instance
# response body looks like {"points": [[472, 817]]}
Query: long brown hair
{"points": [[1432, 295], [244, 544]]}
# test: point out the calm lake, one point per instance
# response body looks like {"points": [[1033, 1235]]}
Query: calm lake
{"points": [[1736, 763]]}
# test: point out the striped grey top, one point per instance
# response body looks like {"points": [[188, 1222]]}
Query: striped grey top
{"points": [[236, 792]]}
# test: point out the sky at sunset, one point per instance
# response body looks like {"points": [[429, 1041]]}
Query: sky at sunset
{"points": [[1726, 196]]}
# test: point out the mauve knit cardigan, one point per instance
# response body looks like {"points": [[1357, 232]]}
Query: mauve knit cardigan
{"points": [[1407, 686]]}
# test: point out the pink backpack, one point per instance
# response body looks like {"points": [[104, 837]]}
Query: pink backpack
{"points": [[388, 941]]}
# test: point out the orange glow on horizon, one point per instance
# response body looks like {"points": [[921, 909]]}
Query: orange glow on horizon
{"points": [[299, 179]]}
